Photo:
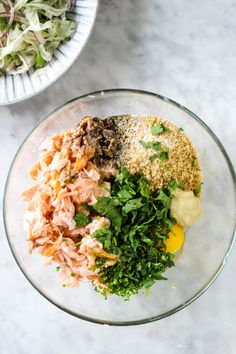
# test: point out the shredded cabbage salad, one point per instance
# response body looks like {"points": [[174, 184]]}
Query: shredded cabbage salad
{"points": [[30, 32]]}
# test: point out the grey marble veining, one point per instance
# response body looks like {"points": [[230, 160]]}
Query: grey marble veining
{"points": [[184, 50]]}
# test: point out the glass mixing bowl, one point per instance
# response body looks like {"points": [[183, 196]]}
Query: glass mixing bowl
{"points": [[208, 243]]}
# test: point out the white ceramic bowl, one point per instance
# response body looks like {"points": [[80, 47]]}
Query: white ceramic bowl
{"points": [[15, 88]]}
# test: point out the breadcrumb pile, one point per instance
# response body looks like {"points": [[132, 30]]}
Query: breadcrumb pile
{"points": [[182, 163]]}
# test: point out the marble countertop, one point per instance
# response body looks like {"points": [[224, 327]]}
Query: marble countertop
{"points": [[181, 49]]}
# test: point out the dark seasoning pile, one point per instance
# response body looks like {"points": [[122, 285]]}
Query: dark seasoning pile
{"points": [[99, 134]]}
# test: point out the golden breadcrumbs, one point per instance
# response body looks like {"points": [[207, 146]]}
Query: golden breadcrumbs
{"points": [[182, 163]]}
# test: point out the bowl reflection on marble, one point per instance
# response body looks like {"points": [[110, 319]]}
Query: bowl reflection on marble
{"points": [[208, 243]]}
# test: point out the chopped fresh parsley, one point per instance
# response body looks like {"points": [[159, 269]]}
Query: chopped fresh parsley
{"points": [[162, 155], [166, 167], [81, 219], [197, 190], [86, 207], [181, 129], [166, 200], [58, 268], [107, 206], [139, 226], [158, 129], [104, 235], [150, 145], [170, 223], [194, 159], [132, 204], [155, 145], [153, 157], [144, 144], [174, 185]]}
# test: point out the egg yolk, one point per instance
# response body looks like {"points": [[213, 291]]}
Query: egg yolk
{"points": [[175, 239]]}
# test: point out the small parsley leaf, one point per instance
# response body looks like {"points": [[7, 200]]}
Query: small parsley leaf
{"points": [[150, 145], [145, 145], [164, 155], [103, 235], [163, 197], [172, 185], [132, 204], [153, 157], [194, 160], [197, 190], [81, 219], [158, 129], [155, 145]]}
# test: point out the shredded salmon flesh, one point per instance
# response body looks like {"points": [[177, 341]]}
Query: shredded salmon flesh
{"points": [[65, 180]]}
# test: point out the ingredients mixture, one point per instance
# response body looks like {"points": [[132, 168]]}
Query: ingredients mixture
{"points": [[31, 31], [111, 201]]}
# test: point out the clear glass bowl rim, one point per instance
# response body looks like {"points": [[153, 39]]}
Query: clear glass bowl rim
{"points": [[214, 275]]}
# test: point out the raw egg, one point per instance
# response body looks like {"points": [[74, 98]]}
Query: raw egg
{"points": [[175, 239]]}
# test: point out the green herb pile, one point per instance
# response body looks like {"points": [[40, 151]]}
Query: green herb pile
{"points": [[140, 224], [31, 31]]}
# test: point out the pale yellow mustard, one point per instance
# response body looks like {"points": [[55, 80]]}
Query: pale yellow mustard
{"points": [[185, 207]]}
